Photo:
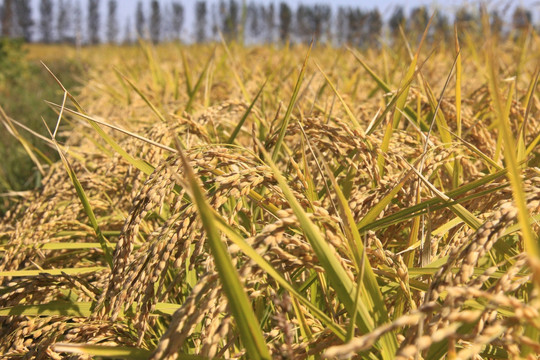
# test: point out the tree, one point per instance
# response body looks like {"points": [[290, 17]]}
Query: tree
{"points": [[23, 10], [268, 14], [465, 21], [374, 28], [253, 19], [496, 23], [215, 14], [396, 21], [521, 19], [93, 21], [139, 20], [285, 19], [441, 28], [417, 22], [341, 26], [2, 18], [46, 20], [302, 29], [127, 32], [7, 16], [63, 20], [177, 19], [230, 19], [356, 22], [78, 19], [155, 22], [311, 20], [234, 21], [200, 25], [112, 21]]}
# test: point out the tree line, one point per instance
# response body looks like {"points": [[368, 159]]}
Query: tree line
{"points": [[70, 21]]}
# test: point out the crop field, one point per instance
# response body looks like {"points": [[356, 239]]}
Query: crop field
{"points": [[280, 202]]}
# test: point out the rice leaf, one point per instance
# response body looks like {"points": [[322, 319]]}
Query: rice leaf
{"points": [[354, 121], [139, 164], [292, 102], [68, 271], [198, 84], [458, 209], [105, 246], [244, 117], [117, 352], [233, 68], [143, 96], [74, 309], [458, 171], [270, 270], [250, 331], [514, 170], [338, 278], [528, 103]]}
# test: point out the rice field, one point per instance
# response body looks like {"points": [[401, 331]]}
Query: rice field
{"points": [[268, 202]]}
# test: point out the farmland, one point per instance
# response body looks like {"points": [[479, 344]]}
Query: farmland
{"points": [[228, 201]]}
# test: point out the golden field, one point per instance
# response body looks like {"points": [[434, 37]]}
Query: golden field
{"points": [[220, 201]]}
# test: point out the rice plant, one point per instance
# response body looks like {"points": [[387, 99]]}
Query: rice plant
{"points": [[222, 201]]}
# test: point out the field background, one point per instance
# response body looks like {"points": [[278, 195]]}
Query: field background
{"points": [[277, 201]]}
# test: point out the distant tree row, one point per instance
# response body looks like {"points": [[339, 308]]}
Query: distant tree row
{"points": [[63, 21]]}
